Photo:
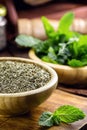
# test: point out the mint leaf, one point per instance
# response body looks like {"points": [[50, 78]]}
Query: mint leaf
{"points": [[63, 53], [62, 46], [65, 22], [51, 53], [82, 46], [75, 63], [48, 59], [65, 114], [78, 63], [56, 120], [26, 41], [82, 40], [69, 114], [46, 119], [47, 26]]}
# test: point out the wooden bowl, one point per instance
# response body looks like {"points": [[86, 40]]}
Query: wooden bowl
{"points": [[19, 103], [67, 75]]}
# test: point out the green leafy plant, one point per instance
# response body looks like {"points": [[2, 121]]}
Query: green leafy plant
{"points": [[65, 114], [62, 46]]}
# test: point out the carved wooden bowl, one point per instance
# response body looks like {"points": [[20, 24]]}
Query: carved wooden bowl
{"points": [[12, 104], [67, 75]]}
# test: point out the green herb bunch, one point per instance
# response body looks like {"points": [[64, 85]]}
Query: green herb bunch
{"points": [[64, 114], [62, 46]]}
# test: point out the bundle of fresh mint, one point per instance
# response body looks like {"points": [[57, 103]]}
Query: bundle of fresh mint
{"points": [[62, 46]]}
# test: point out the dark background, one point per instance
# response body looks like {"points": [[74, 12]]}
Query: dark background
{"points": [[20, 5]]}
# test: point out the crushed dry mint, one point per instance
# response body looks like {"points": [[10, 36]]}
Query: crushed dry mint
{"points": [[20, 77]]}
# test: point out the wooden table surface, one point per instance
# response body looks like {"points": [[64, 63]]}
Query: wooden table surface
{"points": [[30, 120], [52, 10]]}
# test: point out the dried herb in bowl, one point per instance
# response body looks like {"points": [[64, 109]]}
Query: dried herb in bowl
{"points": [[20, 77]]}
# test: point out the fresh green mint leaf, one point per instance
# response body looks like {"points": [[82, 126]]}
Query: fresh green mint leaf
{"points": [[69, 114], [26, 41], [75, 63], [65, 23], [46, 119], [72, 46], [78, 49], [47, 26], [48, 59], [78, 63], [56, 120], [82, 40], [66, 114], [63, 53], [51, 54], [42, 47], [82, 46]]}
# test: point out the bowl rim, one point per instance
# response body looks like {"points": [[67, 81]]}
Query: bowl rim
{"points": [[53, 81]]}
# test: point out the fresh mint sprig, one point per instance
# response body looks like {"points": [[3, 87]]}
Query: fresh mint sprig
{"points": [[65, 114], [62, 46]]}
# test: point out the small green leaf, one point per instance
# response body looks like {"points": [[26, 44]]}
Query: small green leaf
{"points": [[63, 53], [48, 59], [51, 54], [82, 46], [65, 23], [46, 119], [82, 40], [73, 43], [75, 63], [56, 120], [47, 26], [69, 114], [78, 63], [26, 41]]}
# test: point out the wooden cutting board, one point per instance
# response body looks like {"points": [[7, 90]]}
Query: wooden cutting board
{"points": [[30, 120]]}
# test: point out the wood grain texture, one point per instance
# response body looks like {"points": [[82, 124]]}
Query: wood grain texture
{"points": [[30, 120]]}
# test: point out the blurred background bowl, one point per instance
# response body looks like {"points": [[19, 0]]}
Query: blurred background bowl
{"points": [[18, 103]]}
